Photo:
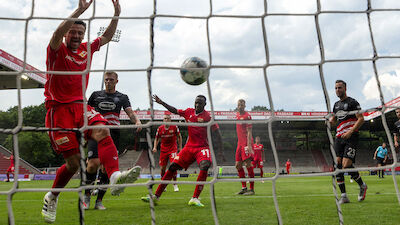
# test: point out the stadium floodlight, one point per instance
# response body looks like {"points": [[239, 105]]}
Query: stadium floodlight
{"points": [[115, 38]]}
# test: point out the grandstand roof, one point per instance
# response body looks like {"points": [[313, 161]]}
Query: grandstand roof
{"points": [[32, 77]]}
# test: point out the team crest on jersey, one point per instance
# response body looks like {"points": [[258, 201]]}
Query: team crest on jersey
{"points": [[171, 131], [241, 118], [83, 54], [200, 120]]}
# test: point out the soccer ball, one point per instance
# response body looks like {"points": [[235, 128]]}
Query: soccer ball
{"points": [[194, 71]]}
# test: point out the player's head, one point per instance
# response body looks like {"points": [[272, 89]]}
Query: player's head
{"points": [[75, 35], [384, 145], [288, 160], [398, 113], [200, 103], [340, 89], [241, 105], [257, 139], [167, 118], [110, 80]]}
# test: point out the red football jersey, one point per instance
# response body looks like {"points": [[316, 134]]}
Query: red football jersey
{"points": [[258, 150], [288, 164], [241, 129], [197, 135], [11, 160], [168, 137], [67, 88]]}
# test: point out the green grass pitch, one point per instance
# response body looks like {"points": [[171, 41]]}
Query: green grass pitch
{"points": [[302, 200]]}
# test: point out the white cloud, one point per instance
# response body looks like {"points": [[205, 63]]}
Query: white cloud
{"points": [[390, 84]]}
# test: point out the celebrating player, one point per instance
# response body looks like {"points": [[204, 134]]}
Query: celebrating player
{"points": [[347, 138], [380, 156], [10, 168], [288, 165], [244, 150], [195, 149], [259, 157], [108, 103], [168, 134], [64, 104]]}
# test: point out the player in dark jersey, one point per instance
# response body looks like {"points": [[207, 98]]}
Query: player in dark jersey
{"points": [[168, 135], [195, 149], [108, 103], [347, 138]]}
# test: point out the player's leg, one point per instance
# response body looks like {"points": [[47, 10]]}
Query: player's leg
{"points": [[348, 160], [239, 168], [8, 175], [108, 156], [250, 171], [204, 165], [171, 159], [93, 164], [102, 191]]}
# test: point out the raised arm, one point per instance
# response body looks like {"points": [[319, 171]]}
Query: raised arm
{"points": [[133, 117], [109, 33], [168, 107], [63, 28]]}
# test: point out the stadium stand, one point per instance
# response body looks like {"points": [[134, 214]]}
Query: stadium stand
{"points": [[25, 167]]}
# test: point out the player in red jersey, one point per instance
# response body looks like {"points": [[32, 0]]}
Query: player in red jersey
{"points": [[259, 157], [10, 168], [288, 164], [244, 150], [65, 108], [168, 135], [195, 149]]}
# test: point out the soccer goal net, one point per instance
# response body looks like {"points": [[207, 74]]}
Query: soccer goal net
{"points": [[282, 57]]}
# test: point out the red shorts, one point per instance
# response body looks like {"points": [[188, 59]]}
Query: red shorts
{"points": [[242, 153], [69, 115], [257, 163], [188, 155], [10, 169], [165, 156]]}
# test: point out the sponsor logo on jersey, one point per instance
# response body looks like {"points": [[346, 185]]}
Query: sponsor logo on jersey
{"points": [[200, 120], [171, 131], [107, 106], [62, 140]]}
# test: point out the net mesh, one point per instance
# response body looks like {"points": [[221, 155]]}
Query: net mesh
{"points": [[267, 64]]}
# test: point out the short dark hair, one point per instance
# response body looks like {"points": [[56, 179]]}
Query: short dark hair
{"points": [[111, 73], [341, 81], [203, 97], [80, 22]]}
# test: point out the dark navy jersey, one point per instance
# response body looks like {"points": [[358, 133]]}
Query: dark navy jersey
{"points": [[345, 121], [397, 127], [109, 105]]}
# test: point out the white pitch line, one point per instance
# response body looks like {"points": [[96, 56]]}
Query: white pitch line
{"points": [[217, 197]]}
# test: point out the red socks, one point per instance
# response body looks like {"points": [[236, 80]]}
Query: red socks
{"points": [[63, 175], [108, 155], [250, 171], [242, 175], [167, 176], [202, 177], [261, 172]]}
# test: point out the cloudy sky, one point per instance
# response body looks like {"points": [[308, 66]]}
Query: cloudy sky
{"points": [[233, 41]]}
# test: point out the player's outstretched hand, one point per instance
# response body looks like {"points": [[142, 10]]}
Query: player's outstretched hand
{"points": [[157, 99], [117, 7], [83, 4]]}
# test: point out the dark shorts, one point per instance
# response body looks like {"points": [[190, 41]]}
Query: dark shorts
{"points": [[346, 148], [92, 145], [380, 160]]}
